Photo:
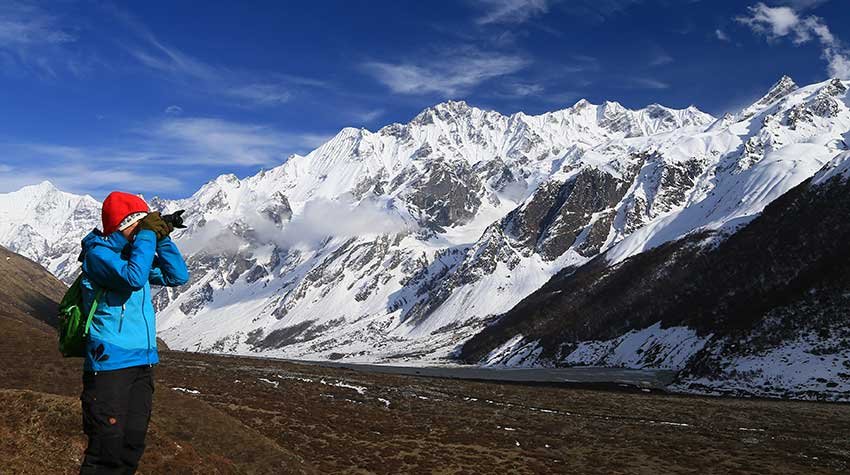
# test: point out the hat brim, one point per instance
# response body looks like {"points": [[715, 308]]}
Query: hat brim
{"points": [[131, 219]]}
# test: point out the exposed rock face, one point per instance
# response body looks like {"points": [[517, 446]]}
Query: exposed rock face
{"points": [[197, 299], [447, 194], [277, 209], [558, 213], [823, 104]]}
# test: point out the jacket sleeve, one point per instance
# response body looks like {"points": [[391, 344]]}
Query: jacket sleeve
{"points": [[109, 270], [170, 269]]}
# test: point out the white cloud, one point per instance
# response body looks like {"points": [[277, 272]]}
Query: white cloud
{"points": [[510, 11], [321, 218], [222, 81], [317, 220], [173, 110], [646, 83], [839, 65], [92, 178], [24, 24], [526, 89], [74, 154], [564, 98], [366, 116], [262, 94], [660, 59], [520, 90], [579, 63], [721, 35], [780, 22], [213, 237], [773, 22], [248, 88], [218, 141], [32, 41], [452, 74], [172, 61], [116, 177], [159, 156]]}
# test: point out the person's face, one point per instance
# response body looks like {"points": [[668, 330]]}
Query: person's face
{"points": [[130, 231]]}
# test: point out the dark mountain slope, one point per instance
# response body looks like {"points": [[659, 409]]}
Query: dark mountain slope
{"points": [[785, 274]]}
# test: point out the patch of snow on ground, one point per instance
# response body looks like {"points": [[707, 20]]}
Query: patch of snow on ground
{"points": [[296, 378], [796, 369], [340, 384], [514, 353], [652, 347], [187, 390]]}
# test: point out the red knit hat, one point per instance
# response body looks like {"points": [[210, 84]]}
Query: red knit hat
{"points": [[119, 205]]}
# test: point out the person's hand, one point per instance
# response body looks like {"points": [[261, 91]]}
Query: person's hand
{"points": [[154, 222]]}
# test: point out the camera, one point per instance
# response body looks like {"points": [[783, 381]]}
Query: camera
{"points": [[175, 219]]}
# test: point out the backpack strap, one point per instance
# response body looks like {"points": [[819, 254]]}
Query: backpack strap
{"points": [[97, 295], [92, 310]]}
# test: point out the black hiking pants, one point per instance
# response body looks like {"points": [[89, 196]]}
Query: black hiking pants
{"points": [[116, 411]]}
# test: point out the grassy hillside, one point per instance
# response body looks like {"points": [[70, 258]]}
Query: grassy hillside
{"points": [[40, 421]]}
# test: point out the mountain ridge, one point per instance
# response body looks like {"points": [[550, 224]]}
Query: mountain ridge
{"points": [[417, 234]]}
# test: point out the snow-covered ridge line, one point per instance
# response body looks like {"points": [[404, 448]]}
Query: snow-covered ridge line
{"points": [[837, 167]]}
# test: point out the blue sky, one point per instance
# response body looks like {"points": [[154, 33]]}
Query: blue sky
{"points": [[160, 97]]}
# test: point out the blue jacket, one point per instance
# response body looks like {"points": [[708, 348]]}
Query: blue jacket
{"points": [[123, 328]]}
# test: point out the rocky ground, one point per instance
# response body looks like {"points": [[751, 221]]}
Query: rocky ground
{"points": [[233, 415]]}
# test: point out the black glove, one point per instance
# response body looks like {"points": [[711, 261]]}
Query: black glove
{"points": [[154, 222]]}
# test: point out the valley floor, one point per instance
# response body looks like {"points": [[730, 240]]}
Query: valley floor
{"points": [[218, 414]]}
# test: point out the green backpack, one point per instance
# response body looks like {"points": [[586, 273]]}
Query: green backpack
{"points": [[73, 330]]}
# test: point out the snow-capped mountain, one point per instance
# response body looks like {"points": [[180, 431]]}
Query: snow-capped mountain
{"points": [[400, 244], [374, 225], [46, 225]]}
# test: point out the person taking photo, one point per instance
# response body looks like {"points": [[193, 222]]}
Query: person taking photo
{"points": [[119, 265]]}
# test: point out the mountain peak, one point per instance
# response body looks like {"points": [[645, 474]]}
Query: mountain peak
{"points": [[450, 106], [453, 105], [227, 179], [612, 105], [42, 188], [444, 110], [785, 80], [45, 185], [581, 104], [780, 89]]}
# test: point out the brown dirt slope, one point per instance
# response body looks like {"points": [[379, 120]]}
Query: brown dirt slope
{"points": [[26, 288], [40, 422]]}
